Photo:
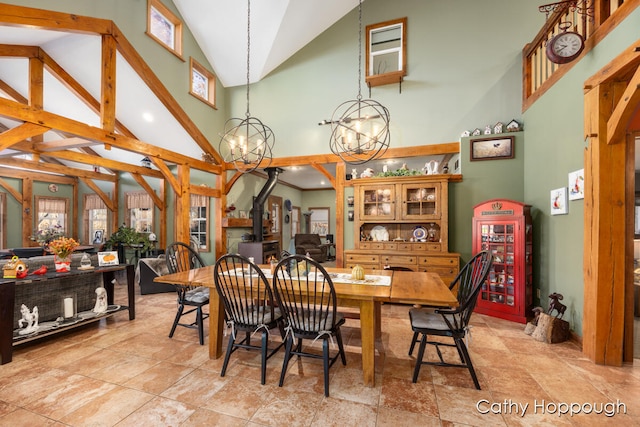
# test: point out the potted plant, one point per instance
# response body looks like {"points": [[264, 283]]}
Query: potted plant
{"points": [[127, 237]]}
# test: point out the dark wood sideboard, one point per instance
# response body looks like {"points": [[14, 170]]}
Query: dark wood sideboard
{"points": [[38, 283]]}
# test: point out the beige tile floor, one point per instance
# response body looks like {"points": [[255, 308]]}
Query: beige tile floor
{"points": [[129, 373]]}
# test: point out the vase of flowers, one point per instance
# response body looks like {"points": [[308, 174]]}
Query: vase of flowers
{"points": [[62, 248]]}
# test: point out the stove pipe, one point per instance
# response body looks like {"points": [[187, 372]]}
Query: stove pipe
{"points": [[258, 202]]}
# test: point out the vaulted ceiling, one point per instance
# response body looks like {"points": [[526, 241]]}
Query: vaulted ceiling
{"points": [[144, 113], [73, 88]]}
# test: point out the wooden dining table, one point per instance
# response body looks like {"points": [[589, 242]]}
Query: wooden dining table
{"points": [[411, 287]]}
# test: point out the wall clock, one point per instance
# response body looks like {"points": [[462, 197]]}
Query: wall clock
{"points": [[564, 47], [53, 188]]}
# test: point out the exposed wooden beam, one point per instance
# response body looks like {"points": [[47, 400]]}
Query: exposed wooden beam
{"points": [[63, 144], [101, 161], [108, 84], [15, 193], [59, 169], [621, 64], [19, 134], [25, 113], [205, 191], [35, 175], [166, 173], [18, 51], [232, 181], [21, 16], [326, 173], [391, 153], [12, 92], [624, 110], [183, 205], [36, 83]]}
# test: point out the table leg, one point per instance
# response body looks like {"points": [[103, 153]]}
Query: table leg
{"points": [[7, 300], [368, 334], [131, 290], [216, 324], [378, 317]]}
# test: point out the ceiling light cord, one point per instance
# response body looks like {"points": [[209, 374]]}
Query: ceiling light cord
{"points": [[360, 127], [248, 52]]}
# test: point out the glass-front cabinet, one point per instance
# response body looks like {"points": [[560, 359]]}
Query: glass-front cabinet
{"points": [[402, 221], [377, 202], [421, 201], [503, 227]]}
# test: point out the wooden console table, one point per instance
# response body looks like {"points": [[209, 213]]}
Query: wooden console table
{"points": [[8, 301]]}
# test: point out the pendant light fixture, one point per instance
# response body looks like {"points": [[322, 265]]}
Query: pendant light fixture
{"points": [[247, 143], [359, 127]]}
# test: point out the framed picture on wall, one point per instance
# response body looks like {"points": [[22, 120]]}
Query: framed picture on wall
{"points": [[492, 148], [559, 201], [576, 185], [319, 221]]}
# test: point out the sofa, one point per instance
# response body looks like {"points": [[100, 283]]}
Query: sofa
{"points": [[312, 245], [148, 269]]}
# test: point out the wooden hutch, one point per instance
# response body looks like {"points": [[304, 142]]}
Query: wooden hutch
{"points": [[403, 222]]}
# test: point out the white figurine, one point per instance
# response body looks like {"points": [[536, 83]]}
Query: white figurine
{"points": [[354, 173], [431, 167], [28, 318], [368, 173], [385, 169], [101, 300]]}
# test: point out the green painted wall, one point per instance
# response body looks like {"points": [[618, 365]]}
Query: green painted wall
{"points": [[464, 71], [554, 147], [482, 180]]}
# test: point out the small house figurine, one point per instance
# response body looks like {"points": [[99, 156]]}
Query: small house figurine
{"points": [[513, 126], [13, 268], [476, 132], [487, 130], [497, 128]]}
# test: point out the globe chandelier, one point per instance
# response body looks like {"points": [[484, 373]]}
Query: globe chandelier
{"points": [[359, 127], [247, 142]]}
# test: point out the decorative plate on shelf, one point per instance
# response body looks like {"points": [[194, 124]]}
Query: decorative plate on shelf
{"points": [[380, 233], [419, 233]]}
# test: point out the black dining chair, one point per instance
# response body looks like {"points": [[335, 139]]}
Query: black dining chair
{"points": [[249, 307], [181, 257], [306, 295], [451, 322]]}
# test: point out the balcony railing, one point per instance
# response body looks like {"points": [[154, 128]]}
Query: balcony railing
{"points": [[593, 19]]}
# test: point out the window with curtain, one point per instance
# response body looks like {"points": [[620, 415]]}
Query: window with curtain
{"points": [[140, 211], [96, 220], [199, 221], [52, 217]]}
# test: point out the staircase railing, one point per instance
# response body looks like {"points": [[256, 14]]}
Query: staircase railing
{"points": [[593, 19]]}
